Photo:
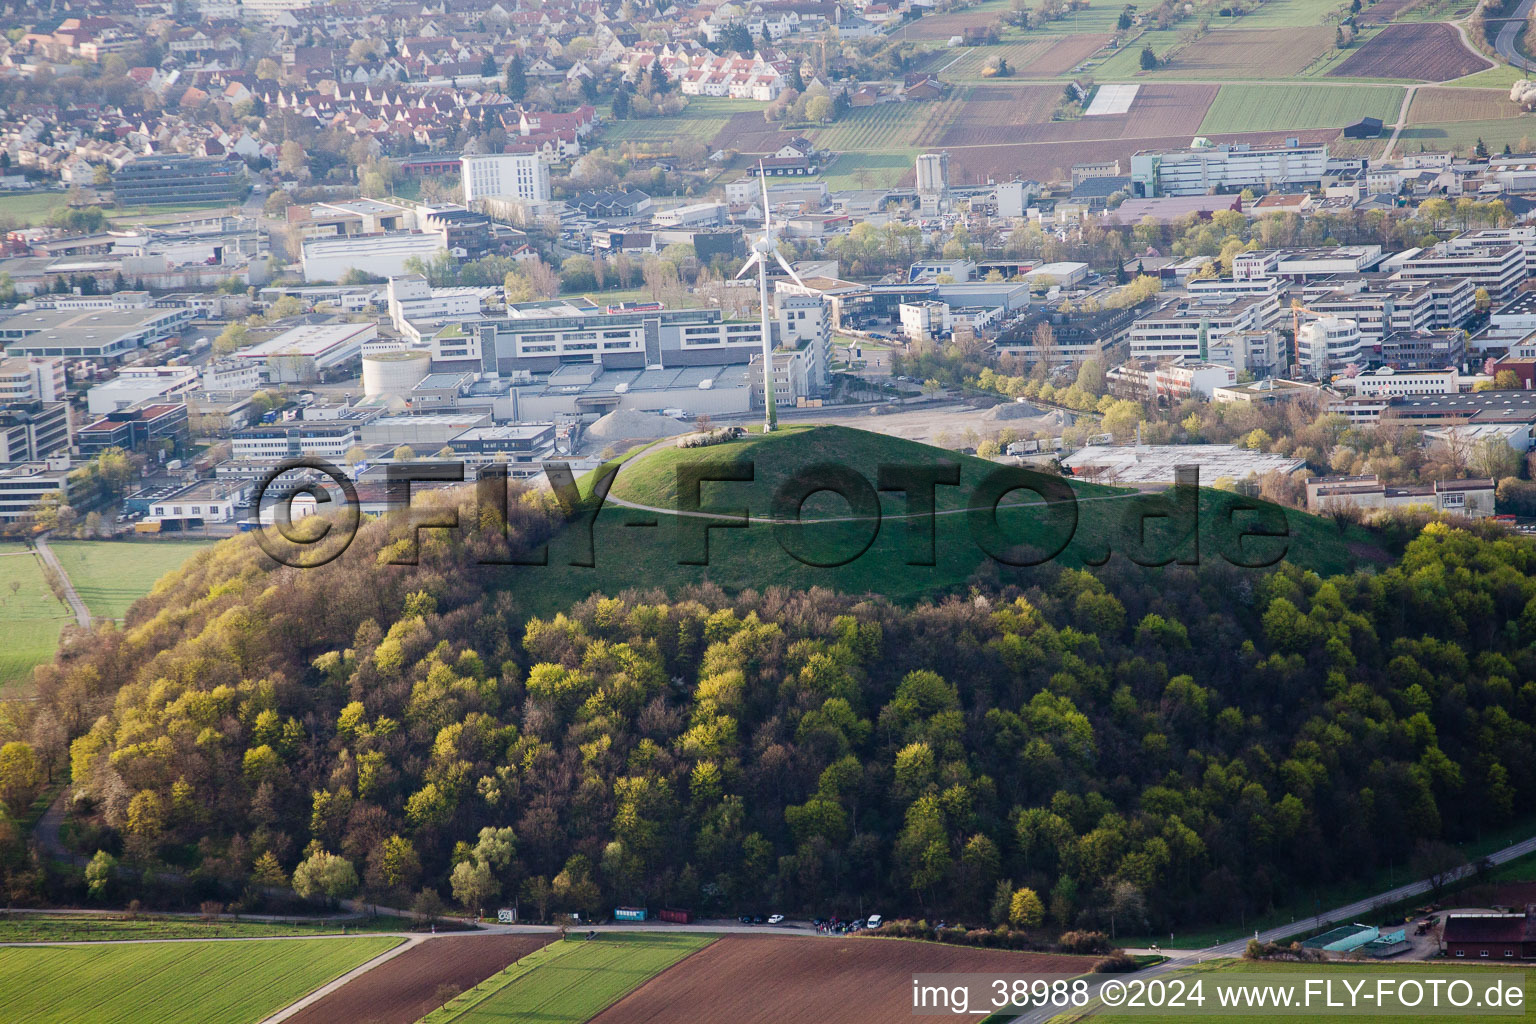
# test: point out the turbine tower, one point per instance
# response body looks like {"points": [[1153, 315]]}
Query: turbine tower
{"points": [[767, 246]]}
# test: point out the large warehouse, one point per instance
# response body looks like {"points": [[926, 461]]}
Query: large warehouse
{"points": [[106, 335], [307, 354]]}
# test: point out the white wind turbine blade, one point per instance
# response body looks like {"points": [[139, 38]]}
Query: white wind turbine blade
{"points": [[762, 178], [746, 267], [788, 269]]}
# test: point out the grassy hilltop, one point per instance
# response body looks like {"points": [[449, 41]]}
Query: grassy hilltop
{"points": [[628, 553]]}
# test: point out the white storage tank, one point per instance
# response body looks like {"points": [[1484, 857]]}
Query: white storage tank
{"points": [[394, 373]]}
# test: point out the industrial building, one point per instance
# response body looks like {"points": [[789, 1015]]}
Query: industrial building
{"points": [[411, 298], [1471, 498], [161, 179], [1156, 463], [136, 429], [394, 373], [100, 335], [135, 384], [586, 389], [308, 354], [328, 439], [1228, 167], [385, 255], [200, 503]]}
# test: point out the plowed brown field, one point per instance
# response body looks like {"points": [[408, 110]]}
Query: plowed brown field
{"points": [[1001, 114], [405, 989], [1255, 52], [1429, 52], [749, 979], [1434, 106]]}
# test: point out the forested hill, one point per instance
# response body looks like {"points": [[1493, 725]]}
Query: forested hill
{"points": [[1218, 738]]}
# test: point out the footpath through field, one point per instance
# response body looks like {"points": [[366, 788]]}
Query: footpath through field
{"points": [[76, 605]]}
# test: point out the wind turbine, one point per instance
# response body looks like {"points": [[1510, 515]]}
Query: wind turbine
{"points": [[765, 246]]}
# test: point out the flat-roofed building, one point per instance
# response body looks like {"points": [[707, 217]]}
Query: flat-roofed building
{"points": [[135, 384], [33, 430], [1471, 498], [160, 179], [1228, 167], [1073, 337], [1176, 328], [326, 439], [1390, 382], [309, 353], [523, 446], [102, 335], [136, 429], [505, 175], [207, 501], [1156, 464], [1499, 268], [382, 255], [24, 486], [31, 378], [1270, 391]]}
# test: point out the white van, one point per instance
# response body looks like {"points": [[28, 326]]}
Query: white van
{"points": [[874, 921]]}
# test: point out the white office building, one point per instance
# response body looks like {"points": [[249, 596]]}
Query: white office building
{"points": [[505, 176], [1205, 169], [329, 259], [1328, 344]]}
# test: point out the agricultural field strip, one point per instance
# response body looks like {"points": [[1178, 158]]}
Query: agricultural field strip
{"points": [[1245, 108], [553, 957], [38, 943], [184, 984], [1115, 98]]}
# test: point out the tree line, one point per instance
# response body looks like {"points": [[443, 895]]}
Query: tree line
{"points": [[1136, 748]]}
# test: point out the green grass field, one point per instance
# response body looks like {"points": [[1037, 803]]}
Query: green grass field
{"points": [[1286, 14], [1263, 108], [33, 616], [1462, 136], [633, 548], [172, 982], [869, 170], [111, 575], [701, 120], [1501, 77], [101, 928], [876, 129], [569, 982], [28, 208]]}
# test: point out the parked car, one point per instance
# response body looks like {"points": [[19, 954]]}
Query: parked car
{"points": [[874, 920], [775, 918]]}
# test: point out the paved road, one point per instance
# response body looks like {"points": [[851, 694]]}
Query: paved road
{"points": [[1365, 907], [1183, 958], [1504, 43], [82, 613], [1402, 121]]}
